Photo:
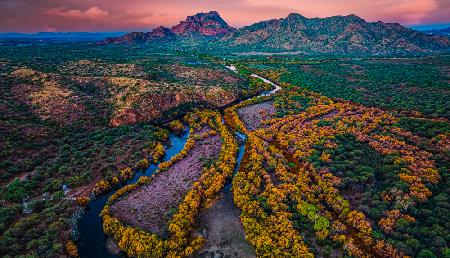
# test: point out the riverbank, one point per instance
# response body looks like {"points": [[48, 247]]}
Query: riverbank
{"points": [[92, 240]]}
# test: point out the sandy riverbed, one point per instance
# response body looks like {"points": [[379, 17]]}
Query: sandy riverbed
{"points": [[253, 115], [222, 229]]}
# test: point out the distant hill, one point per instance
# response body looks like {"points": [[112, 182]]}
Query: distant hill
{"points": [[441, 32], [295, 33], [62, 35]]}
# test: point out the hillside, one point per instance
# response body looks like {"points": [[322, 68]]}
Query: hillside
{"points": [[336, 35]]}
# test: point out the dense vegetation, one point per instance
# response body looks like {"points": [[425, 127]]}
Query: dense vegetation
{"points": [[407, 84], [336, 35], [347, 178]]}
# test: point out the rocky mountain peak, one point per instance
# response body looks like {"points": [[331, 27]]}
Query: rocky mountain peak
{"points": [[208, 24], [355, 18], [294, 16]]}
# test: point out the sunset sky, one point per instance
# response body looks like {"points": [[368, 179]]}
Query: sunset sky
{"points": [[143, 15]]}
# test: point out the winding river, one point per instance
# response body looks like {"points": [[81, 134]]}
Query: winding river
{"points": [[264, 93], [93, 241]]}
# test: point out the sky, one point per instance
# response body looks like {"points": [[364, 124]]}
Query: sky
{"points": [[143, 15]]}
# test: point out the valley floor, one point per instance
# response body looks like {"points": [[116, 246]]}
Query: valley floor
{"points": [[326, 171]]}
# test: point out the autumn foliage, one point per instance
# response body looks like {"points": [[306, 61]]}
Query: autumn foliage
{"points": [[71, 249], [276, 173], [284, 185]]}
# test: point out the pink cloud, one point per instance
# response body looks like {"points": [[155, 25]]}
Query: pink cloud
{"points": [[91, 13], [139, 15], [412, 11], [49, 29]]}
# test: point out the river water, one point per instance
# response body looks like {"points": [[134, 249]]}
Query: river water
{"points": [[93, 241], [264, 93]]}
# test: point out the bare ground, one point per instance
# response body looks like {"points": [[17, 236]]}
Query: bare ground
{"points": [[253, 115], [223, 231], [151, 207]]}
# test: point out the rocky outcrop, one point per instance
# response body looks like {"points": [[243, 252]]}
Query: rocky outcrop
{"points": [[151, 107], [207, 24], [148, 108]]}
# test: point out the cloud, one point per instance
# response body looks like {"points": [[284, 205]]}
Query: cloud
{"points": [[412, 11], [142, 15], [49, 29], [92, 13]]}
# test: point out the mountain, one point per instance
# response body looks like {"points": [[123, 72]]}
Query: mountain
{"points": [[337, 35], [441, 32], [207, 24], [200, 25], [295, 33]]}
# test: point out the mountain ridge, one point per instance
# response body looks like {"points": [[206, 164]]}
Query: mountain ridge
{"points": [[339, 34], [61, 35]]}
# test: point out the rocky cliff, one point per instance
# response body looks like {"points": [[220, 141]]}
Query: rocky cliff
{"points": [[207, 24]]}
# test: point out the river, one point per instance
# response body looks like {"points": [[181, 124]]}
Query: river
{"points": [[264, 93], [93, 241]]}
